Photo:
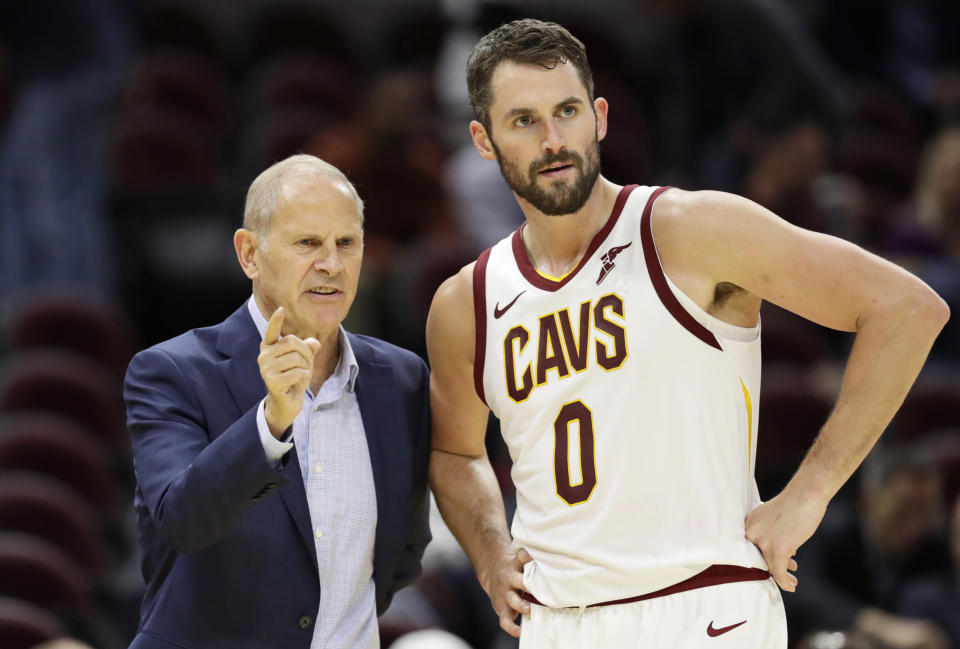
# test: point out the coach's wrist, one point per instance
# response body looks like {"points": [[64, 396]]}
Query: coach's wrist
{"points": [[277, 424]]}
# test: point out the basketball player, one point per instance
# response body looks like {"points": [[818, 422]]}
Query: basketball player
{"points": [[616, 337]]}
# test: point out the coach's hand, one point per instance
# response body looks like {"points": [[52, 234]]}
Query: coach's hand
{"points": [[286, 365], [779, 527], [504, 586]]}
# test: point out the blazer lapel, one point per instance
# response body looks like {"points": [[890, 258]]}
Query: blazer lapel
{"points": [[379, 407], [239, 341]]}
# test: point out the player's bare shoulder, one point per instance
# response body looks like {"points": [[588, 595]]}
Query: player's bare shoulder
{"points": [[450, 323], [695, 232]]}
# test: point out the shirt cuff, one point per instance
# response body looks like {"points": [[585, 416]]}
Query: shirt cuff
{"points": [[273, 447]]}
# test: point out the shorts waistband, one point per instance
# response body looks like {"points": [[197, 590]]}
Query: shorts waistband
{"points": [[712, 576]]}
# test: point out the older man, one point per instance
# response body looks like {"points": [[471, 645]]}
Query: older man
{"points": [[281, 462]]}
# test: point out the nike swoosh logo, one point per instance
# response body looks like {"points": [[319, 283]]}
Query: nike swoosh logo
{"points": [[497, 311], [713, 633]]}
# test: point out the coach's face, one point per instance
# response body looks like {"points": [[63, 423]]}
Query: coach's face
{"points": [[544, 132], [308, 261]]}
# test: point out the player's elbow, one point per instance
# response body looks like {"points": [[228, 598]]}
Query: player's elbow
{"points": [[930, 309]]}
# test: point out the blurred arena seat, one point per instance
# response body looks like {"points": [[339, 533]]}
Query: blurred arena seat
{"points": [[183, 81], [51, 445], [24, 625], [791, 414], [283, 131], [284, 27], [185, 25], [79, 322], [41, 506], [932, 404], [36, 571], [159, 150], [305, 79], [57, 381]]}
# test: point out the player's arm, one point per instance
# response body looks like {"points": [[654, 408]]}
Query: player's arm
{"points": [[721, 237], [461, 477]]}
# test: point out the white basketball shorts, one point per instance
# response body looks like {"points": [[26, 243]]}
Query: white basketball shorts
{"points": [[739, 615]]}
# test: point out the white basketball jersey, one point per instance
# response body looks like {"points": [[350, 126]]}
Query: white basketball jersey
{"points": [[629, 412]]}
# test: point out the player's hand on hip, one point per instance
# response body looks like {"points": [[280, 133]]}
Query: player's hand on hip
{"points": [[778, 528], [504, 589], [286, 366]]}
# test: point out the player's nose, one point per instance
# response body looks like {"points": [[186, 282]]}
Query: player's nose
{"points": [[553, 140]]}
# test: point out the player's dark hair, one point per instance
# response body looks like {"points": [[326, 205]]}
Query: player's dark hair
{"points": [[522, 41]]}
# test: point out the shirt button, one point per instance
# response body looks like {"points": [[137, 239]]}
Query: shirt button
{"points": [[318, 533], [305, 621], [317, 469]]}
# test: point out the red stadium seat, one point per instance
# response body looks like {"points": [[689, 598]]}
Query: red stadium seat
{"points": [[68, 384], [932, 404], [791, 414], [41, 506], [159, 150], [81, 323], [185, 25], [61, 449], [307, 80], [182, 81], [24, 625], [36, 571]]}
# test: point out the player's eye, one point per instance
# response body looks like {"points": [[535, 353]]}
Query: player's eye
{"points": [[568, 111], [523, 121]]}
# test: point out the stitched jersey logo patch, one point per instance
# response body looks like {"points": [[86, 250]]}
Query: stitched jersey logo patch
{"points": [[607, 260]]}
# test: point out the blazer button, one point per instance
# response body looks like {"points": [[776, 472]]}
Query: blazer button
{"points": [[305, 621]]}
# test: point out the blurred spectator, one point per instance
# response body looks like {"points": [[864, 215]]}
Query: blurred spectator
{"points": [[938, 210], [66, 73], [719, 73], [937, 598], [854, 569]]}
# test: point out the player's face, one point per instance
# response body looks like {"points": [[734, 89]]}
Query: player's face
{"points": [[545, 133], [309, 259]]}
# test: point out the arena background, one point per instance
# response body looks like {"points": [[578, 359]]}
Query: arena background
{"points": [[130, 130]]}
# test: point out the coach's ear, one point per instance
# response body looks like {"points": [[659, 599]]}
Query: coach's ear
{"points": [[481, 140], [246, 244]]}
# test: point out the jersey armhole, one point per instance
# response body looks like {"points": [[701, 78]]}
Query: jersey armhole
{"points": [[480, 321], [659, 279]]}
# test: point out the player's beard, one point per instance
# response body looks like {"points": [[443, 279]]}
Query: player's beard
{"points": [[561, 198]]}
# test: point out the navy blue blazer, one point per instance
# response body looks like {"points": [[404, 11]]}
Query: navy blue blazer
{"points": [[228, 552]]}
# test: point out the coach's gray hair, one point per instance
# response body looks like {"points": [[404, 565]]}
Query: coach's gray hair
{"points": [[266, 188]]}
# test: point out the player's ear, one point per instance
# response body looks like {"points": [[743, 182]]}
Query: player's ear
{"points": [[600, 108], [246, 244], [481, 140]]}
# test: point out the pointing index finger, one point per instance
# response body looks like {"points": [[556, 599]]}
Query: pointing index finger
{"points": [[272, 334]]}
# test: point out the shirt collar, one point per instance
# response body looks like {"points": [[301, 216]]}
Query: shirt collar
{"points": [[347, 368]]}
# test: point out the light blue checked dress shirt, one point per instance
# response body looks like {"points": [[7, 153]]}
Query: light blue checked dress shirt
{"points": [[335, 463]]}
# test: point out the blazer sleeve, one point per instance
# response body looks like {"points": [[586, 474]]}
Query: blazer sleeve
{"points": [[196, 483], [418, 522]]}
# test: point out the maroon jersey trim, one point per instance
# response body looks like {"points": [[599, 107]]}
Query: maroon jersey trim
{"points": [[530, 273], [712, 576], [480, 320], [659, 280]]}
